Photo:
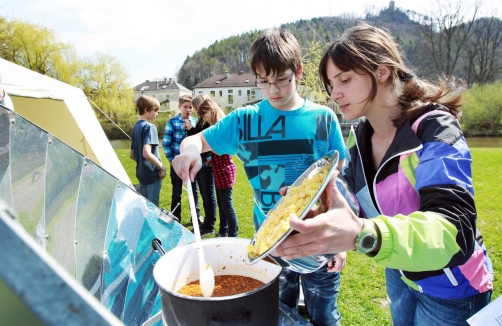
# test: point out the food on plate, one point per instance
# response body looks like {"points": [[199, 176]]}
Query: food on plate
{"points": [[293, 204], [224, 285]]}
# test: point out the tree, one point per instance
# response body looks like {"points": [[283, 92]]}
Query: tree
{"points": [[448, 32], [483, 63], [102, 78], [39, 49], [310, 79], [5, 36], [104, 81]]}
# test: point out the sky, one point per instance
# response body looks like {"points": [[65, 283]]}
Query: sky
{"points": [[152, 38]]}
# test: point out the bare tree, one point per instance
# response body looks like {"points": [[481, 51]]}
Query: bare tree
{"points": [[448, 31], [483, 62]]}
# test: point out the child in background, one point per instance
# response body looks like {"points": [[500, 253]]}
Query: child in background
{"points": [[223, 166], [277, 139], [175, 131], [205, 179], [145, 149]]}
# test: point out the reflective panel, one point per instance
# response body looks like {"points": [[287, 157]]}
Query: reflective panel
{"points": [[5, 180], [93, 210], [63, 168], [97, 228], [28, 154]]}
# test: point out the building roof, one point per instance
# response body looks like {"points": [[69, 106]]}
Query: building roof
{"points": [[166, 84], [241, 79]]}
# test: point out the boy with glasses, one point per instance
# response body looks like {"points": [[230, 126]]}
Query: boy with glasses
{"points": [[277, 139]]}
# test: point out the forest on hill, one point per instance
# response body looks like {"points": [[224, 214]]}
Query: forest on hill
{"points": [[446, 42]]}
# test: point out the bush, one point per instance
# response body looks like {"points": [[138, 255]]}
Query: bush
{"points": [[482, 110]]}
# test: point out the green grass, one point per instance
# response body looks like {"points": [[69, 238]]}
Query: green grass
{"points": [[362, 299]]}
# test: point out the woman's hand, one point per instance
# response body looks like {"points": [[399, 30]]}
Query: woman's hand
{"points": [[335, 230]]}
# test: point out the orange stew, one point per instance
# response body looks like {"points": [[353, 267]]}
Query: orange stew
{"points": [[224, 285]]}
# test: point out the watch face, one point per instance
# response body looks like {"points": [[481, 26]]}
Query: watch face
{"points": [[368, 242]]}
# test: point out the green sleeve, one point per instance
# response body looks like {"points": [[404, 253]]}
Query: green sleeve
{"points": [[421, 241]]}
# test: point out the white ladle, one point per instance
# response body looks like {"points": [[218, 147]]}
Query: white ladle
{"points": [[206, 273]]}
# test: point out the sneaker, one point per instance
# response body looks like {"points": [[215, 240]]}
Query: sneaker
{"points": [[206, 232], [219, 235]]}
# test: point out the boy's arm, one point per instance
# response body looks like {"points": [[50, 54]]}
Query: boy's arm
{"points": [[166, 141], [148, 155], [131, 155], [189, 162]]}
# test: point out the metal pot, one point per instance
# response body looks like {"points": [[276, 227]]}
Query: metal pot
{"points": [[226, 256]]}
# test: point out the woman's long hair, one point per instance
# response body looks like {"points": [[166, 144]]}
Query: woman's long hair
{"points": [[203, 103], [364, 48]]}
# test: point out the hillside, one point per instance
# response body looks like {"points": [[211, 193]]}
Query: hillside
{"points": [[232, 54]]}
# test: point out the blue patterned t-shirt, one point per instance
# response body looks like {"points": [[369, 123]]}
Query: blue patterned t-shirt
{"points": [[275, 146]]}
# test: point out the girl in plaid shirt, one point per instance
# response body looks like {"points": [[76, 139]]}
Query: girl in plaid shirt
{"points": [[223, 169]]}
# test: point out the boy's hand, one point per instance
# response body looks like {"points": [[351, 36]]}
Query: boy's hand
{"points": [[187, 124], [338, 262], [187, 163], [163, 172]]}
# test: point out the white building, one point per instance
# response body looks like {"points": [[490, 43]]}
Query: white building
{"points": [[167, 91], [230, 90]]}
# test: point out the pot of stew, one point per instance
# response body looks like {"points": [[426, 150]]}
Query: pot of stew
{"points": [[243, 295]]}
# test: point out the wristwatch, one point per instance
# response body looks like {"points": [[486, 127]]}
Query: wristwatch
{"points": [[367, 239]]}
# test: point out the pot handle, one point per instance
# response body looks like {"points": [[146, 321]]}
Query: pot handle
{"points": [[241, 320]]}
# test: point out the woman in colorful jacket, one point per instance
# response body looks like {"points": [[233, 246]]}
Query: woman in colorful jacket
{"points": [[410, 169]]}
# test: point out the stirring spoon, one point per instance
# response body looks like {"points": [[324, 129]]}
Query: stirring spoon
{"points": [[206, 273]]}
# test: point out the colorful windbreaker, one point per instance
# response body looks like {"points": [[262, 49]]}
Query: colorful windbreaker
{"points": [[422, 199]]}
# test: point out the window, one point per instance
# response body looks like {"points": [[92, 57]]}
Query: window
{"points": [[230, 91], [221, 93], [200, 92], [230, 99], [168, 97], [213, 93], [240, 92]]}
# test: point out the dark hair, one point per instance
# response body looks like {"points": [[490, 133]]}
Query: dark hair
{"points": [[364, 48], [275, 51]]}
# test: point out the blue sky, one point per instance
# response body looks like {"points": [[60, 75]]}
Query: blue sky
{"points": [[152, 38]]}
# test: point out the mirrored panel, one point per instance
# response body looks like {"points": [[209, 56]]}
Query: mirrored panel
{"points": [[63, 168], [28, 155], [124, 227], [97, 188], [5, 172], [97, 228]]}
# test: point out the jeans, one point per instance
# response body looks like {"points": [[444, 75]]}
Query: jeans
{"points": [[151, 191], [320, 290], [205, 180], [228, 218], [176, 195], [410, 307]]}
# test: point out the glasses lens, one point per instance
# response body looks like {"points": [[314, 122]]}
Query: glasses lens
{"points": [[263, 85], [282, 83]]}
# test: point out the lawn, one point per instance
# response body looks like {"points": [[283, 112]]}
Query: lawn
{"points": [[362, 299]]}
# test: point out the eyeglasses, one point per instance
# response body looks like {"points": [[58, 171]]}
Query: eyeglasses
{"points": [[279, 83]]}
